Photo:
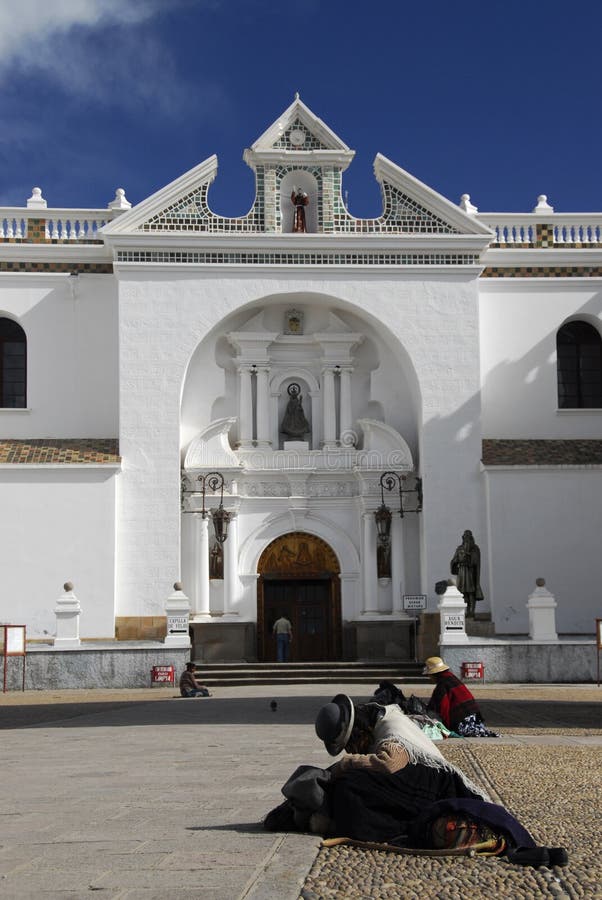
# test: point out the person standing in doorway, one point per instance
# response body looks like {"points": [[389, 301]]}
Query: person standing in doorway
{"points": [[284, 634]]}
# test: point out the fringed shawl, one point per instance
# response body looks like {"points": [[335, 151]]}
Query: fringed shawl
{"points": [[396, 728]]}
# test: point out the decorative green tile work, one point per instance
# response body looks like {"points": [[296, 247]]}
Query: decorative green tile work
{"points": [[250, 258], [303, 139], [80, 268], [401, 215], [506, 452], [60, 450], [542, 272], [192, 213]]}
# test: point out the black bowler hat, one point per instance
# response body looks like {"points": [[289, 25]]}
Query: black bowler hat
{"points": [[334, 723]]}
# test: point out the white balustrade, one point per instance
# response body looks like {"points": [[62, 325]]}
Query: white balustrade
{"points": [[60, 224], [509, 228], [12, 226], [520, 228], [74, 225]]}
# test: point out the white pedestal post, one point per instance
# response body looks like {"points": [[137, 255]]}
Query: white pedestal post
{"points": [[177, 610], [541, 606], [452, 610], [67, 612]]}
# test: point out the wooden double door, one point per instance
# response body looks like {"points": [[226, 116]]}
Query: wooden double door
{"points": [[307, 604]]}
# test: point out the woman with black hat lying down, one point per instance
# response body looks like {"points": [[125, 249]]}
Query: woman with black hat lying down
{"points": [[393, 785], [391, 771]]}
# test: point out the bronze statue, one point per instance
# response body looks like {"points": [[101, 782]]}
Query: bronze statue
{"points": [[383, 559], [466, 565], [216, 561], [300, 200], [294, 423]]}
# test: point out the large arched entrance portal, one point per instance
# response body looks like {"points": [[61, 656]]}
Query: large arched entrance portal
{"points": [[299, 578]]}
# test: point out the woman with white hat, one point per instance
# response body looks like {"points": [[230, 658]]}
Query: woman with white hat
{"points": [[452, 701]]}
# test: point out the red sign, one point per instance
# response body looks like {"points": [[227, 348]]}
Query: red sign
{"points": [[163, 675], [473, 671]]}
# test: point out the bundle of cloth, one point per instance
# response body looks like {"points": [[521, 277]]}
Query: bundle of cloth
{"points": [[416, 709], [451, 711], [393, 785]]}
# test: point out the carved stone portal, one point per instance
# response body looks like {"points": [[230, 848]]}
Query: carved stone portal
{"points": [[298, 555]]}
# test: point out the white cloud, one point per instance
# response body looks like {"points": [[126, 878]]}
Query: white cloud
{"points": [[27, 25], [97, 50]]}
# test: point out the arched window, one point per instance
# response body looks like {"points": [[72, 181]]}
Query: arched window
{"points": [[13, 365], [579, 353]]}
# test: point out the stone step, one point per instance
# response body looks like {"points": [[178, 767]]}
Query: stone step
{"points": [[224, 674]]}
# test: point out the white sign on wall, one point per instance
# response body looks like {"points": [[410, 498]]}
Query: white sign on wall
{"points": [[453, 622], [414, 601], [177, 624]]}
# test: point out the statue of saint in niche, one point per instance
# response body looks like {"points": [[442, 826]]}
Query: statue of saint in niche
{"points": [[294, 423], [466, 565], [300, 200], [216, 562]]}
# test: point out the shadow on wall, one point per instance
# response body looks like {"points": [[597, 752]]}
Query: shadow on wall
{"points": [[541, 522]]}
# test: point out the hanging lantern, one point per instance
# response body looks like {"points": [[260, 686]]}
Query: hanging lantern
{"points": [[383, 517], [221, 519]]}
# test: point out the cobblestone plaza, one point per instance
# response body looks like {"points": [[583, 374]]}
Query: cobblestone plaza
{"points": [[136, 794]]}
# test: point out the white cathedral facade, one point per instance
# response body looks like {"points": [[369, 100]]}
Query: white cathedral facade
{"points": [[298, 354]]}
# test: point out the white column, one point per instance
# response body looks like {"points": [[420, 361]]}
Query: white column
{"points": [[245, 407], [329, 430], [368, 565], [231, 581], [346, 434], [397, 564], [203, 568], [263, 411]]}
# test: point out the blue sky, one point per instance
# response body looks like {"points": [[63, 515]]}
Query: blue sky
{"points": [[500, 101]]}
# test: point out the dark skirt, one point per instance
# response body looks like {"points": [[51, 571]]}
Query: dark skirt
{"points": [[373, 806]]}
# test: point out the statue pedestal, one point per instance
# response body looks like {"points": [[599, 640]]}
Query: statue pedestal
{"points": [[177, 609], [295, 445], [541, 607], [452, 610], [67, 612]]}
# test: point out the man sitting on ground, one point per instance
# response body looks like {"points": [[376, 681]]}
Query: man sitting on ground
{"points": [[189, 686]]}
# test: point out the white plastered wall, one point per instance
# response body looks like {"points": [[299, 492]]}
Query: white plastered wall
{"points": [[57, 525], [164, 318], [72, 355], [545, 523], [519, 322]]}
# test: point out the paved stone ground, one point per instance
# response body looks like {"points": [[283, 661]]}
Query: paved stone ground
{"points": [[136, 794]]}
